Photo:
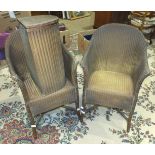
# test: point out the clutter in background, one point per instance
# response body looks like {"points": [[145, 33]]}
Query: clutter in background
{"points": [[3, 37], [144, 21]]}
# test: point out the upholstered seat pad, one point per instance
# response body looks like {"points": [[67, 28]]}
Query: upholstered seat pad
{"points": [[113, 82], [108, 87], [41, 103]]}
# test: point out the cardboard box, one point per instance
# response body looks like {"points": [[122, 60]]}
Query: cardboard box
{"points": [[8, 24], [83, 43], [65, 38]]}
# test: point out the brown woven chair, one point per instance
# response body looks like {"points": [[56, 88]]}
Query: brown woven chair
{"points": [[115, 66], [44, 69]]}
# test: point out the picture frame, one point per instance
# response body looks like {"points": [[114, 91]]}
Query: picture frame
{"points": [[78, 14]]}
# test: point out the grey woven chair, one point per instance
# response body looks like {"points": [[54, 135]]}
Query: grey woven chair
{"points": [[44, 69], [115, 66]]}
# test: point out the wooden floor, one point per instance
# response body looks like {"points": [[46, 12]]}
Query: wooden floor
{"points": [[80, 24]]}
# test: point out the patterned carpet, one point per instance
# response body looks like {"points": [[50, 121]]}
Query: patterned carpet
{"points": [[101, 125]]}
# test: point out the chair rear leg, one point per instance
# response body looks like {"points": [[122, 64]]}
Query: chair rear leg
{"points": [[82, 112], [78, 112], [79, 115]]}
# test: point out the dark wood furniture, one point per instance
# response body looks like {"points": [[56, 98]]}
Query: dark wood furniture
{"points": [[35, 13], [104, 17]]}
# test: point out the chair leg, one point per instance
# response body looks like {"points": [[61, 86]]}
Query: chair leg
{"points": [[78, 112], [82, 116], [83, 107], [33, 126], [34, 131], [129, 122], [82, 112]]}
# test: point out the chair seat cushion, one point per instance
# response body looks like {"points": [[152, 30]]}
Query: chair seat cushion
{"points": [[111, 82], [40, 103], [106, 87]]}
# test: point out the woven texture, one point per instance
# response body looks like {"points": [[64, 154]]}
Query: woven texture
{"points": [[112, 84], [43, 51], [62, 97], [16, 53], [34, 98], [115, 65]]}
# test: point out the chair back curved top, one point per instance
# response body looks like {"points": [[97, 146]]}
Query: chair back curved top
{"points": [[116, 47]]}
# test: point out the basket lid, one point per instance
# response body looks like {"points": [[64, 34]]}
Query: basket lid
{"points": [[37, 21]]}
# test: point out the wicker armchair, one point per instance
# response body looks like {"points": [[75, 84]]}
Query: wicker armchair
{"points": [[51, 81], [115, 66]]}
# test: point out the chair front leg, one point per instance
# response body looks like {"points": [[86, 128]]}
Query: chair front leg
{"points": [[78, 110], [33, 125], [82, 109], [129, 121]]}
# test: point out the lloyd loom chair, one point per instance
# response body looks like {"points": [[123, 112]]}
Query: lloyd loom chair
{"points": [[44, 69], [115, 66]]}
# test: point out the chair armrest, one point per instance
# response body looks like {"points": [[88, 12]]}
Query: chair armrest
{"points": [[87, 71], [9, 62], [13, 73], [85, 74], [70, 66], [140, 74]]}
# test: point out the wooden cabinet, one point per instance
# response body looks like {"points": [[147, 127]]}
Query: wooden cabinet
{"points": [[101, 18], [104, 17], [35, 13]]}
